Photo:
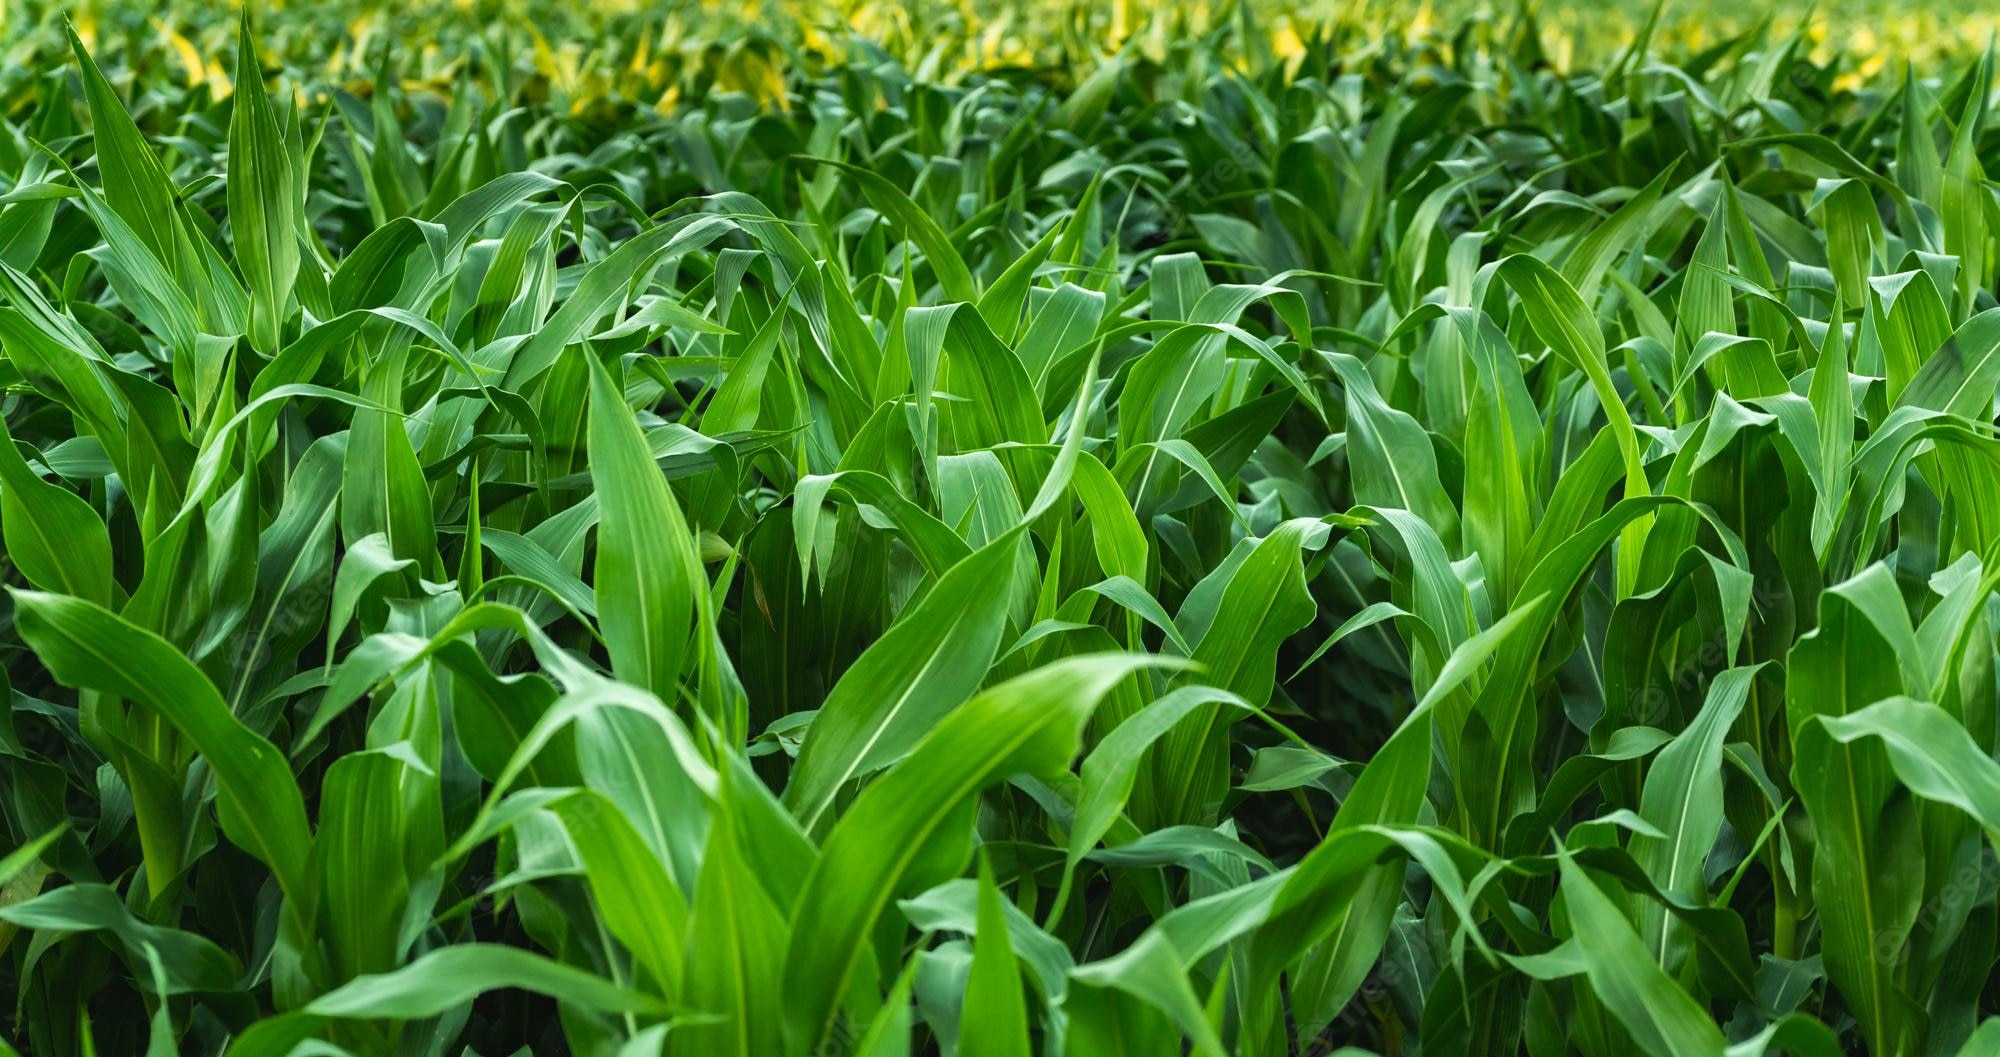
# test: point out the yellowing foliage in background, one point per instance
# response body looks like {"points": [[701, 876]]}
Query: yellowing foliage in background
{"points": [[625, 51]]}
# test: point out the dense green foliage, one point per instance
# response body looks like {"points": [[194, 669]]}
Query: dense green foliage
{"points": [[1237, 548]]}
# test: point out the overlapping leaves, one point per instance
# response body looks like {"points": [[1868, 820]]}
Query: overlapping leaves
{"points": [[1395, 548]]}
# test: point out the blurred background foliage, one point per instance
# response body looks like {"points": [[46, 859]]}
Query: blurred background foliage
{"points": [[628, 53]]}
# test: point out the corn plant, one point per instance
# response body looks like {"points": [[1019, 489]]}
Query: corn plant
{"points": [[1361, 538]]}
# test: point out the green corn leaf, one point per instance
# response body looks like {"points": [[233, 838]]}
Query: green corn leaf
{"points": [[263, 207], [452, 976], [645, 576], [906, 819], [996, 1015], [87, 646], [52, 534], [909, 679], [1663, 1020]]}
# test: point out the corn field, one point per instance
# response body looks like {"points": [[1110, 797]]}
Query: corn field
{"points": [[977, 532]]}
